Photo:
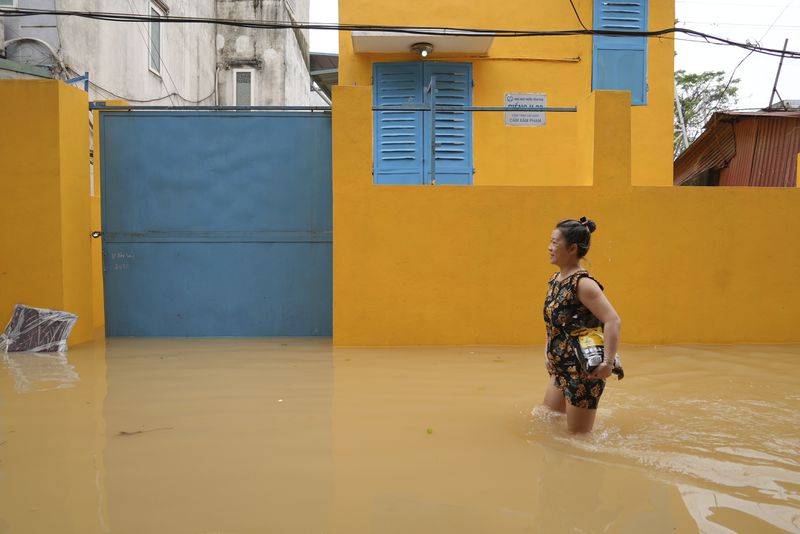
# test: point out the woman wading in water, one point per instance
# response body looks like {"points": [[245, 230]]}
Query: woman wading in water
{"points": [[575, 302]]}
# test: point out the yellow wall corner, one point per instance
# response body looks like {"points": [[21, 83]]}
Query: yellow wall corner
{"points": [[46, 217]]}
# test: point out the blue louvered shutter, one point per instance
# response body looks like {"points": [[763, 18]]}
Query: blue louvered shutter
{"points": [[398, 153], [620, 62], [453, 128]]}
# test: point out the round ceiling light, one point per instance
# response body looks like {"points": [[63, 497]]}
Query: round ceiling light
{"points": [[423, 50]]}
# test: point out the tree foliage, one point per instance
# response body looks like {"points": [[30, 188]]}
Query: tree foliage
{"points": [[700, 94]]}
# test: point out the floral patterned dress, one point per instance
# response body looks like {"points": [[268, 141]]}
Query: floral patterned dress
{"points": [[564, 313]]}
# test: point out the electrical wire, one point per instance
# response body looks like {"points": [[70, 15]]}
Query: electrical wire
{"points": [[427, 30], [120, 97], [727, 4], [733, 73], [129, 99], [740, 24], [175, 93], [577, 16]]}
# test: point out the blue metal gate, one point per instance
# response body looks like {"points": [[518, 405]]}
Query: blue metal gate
{"points": [[216, 223]]}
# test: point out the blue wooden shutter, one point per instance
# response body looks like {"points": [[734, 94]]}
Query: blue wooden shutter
{"points": [[398, 152], [453, 128], [620, 63]]}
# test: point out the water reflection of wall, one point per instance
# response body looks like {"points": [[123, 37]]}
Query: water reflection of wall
{"points": [[235, 436], [52, 442]]}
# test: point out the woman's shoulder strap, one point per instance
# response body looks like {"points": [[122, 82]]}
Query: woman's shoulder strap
{"points": [[585, 274]]}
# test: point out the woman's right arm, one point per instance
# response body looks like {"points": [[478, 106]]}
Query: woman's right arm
{"points": [[590, 294]]}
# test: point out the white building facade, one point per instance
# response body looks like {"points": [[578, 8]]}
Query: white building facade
{"points": [[166, 63]]}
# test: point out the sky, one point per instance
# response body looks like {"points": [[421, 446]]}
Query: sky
{"points": [[767, 22]]}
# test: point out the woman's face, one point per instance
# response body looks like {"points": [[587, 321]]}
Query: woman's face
{"points": [[559, 252]]}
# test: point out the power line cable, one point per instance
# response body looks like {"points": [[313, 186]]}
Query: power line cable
{"points": [[740, 24], [176, 91], [111, 93], [128, 99], [577, 16], [733, 73], [427, 30], [728, 4]]}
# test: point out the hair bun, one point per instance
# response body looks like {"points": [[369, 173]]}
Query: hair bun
{"points": [[589, 224]]}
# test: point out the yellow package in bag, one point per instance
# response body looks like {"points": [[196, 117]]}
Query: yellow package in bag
{"points": [[591, 345]]}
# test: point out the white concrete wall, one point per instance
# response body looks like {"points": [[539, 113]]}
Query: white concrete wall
{"points": [[276, 57], [297, 86], [194, 56], [116, 55], [297, 90]]}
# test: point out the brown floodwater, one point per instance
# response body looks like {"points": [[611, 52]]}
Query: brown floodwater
{"points": [[287, 435]]}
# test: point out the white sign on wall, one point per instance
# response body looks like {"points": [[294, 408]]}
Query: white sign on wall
{"points": [[528, 101]]}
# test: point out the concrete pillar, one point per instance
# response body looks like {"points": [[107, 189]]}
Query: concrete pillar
{"points": [[45, 219]]}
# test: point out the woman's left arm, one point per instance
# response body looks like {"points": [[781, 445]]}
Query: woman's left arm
{"points": [[590, 294]]}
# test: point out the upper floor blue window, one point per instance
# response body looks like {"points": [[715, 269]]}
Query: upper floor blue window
{"points": [[620, 62], [402, 139]]}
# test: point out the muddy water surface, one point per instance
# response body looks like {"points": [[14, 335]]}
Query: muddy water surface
{"points": [[252, 436]]}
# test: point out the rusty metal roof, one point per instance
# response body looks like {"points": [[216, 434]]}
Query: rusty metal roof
{"points": [[756, 148], [792, 114]]}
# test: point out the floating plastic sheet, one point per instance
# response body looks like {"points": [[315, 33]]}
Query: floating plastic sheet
{"points": [[37, 330]]}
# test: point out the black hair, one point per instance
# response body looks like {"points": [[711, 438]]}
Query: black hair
{"points": [[578, 232]]}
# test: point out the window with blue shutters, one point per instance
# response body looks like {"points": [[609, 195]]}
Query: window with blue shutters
{"points": [[620, 62], [402, 144], [398, 134], [453, 129]]}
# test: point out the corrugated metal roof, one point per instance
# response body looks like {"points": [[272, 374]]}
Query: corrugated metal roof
{"points": [[742, 114], [775, 156], [739, 168], [715, 147], [748, 148], [786, 105]]}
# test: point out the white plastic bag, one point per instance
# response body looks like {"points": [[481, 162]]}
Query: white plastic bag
{"points": [[37, 330]]}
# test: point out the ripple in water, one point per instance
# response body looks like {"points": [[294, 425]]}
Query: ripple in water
{"points": [[740, 455]]}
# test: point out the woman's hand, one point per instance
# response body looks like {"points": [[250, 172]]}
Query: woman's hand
{"points": [[602, 371]]}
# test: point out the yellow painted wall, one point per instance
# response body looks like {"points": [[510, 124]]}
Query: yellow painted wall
{"points": [[46, 218], [561, 67], [424, 265]]}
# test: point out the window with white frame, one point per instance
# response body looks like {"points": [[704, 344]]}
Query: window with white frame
{"points": [[155, 38], [243, 87], [8, 3]]}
